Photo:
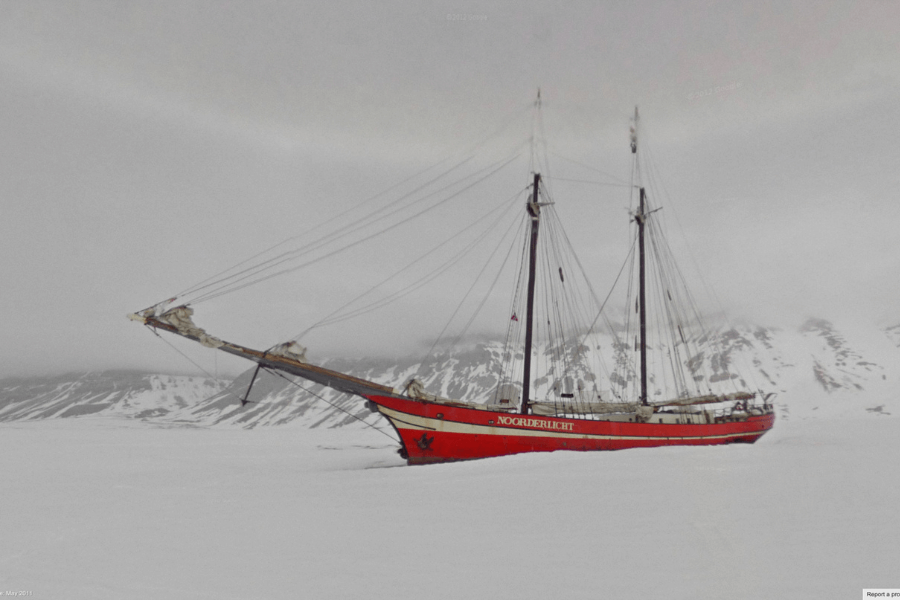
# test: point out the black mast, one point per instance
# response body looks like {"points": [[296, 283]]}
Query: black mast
{"points": [[534, 210], [643, 300], [640, 218]]}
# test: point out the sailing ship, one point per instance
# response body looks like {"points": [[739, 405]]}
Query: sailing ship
{"points": [[513, 420]]}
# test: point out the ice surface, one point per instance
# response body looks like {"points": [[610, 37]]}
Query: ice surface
{"points": [[99, 507]]}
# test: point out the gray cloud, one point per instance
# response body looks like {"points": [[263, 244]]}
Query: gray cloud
{"points": [[148, 145]]}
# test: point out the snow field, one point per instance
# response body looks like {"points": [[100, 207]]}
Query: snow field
{"points": [[107, 508]]}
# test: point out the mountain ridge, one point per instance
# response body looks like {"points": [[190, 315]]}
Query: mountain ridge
{"points": [[815, 370]]}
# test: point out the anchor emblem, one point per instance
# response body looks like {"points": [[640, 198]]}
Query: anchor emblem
{"points": [[424, 442]]}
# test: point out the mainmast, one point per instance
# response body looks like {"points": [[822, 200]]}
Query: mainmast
{"points": [[640, 218], [534, 210], [642, 302]]}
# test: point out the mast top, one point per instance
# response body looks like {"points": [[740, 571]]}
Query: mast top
{"points": [[534, 204], [634, 131]]}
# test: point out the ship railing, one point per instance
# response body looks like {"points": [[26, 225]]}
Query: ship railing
{"points": [[709, 407]]}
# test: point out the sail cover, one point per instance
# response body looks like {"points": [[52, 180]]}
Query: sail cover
{"points": [[289, 357]]}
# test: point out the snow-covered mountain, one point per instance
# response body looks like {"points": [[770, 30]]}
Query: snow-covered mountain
{"points": [[816, 370], [113, 393]]}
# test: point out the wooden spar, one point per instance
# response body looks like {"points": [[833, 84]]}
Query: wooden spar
{"points": [[245, 400], [321, 375], [643, 299], [640, 218], [534, 210]]}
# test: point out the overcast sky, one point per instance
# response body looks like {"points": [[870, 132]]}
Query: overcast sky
{"points": [[146, 145]]}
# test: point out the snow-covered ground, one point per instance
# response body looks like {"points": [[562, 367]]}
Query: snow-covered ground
{"points": [[101, 507]]}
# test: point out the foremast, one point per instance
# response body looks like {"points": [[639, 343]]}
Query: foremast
{"points": [[534, 211], [640, 218]]}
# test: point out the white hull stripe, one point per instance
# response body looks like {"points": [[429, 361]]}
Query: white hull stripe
{"points": [[404, 420]]}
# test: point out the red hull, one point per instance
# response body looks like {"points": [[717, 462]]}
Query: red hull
{"points": [[432, 432]]}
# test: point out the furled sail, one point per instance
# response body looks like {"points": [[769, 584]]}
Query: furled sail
{"points": [[289, 357]]}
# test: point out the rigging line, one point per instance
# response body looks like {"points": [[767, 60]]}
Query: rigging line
{"points": [[309, 391], [625, 359], [513, 331], [579, 306], [573, 294], [586, 166], [535, 117], [471, 287], [188, 358], [573, 254], [746, 369], [557, 322], [555, 328], [217, 293], [410, 288], [613, 287], [493, 284], [330, 318], [324, 238], [714, 339], [362, 223], [664, 335], [468, 154], [666, 331], [675, 281], [415, 285], [546, 169], [197, 287], [228, 288], [621, 185], [344, 231], [550, 294]]}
